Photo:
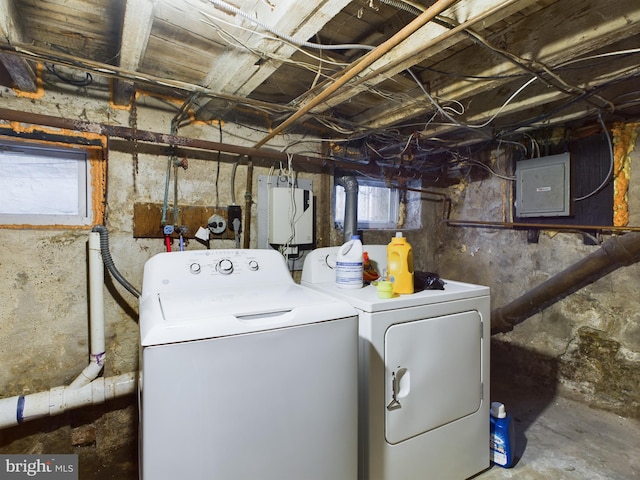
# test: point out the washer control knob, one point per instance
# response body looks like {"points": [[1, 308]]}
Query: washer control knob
{"points": [[195, 268], [225, 267], [253, 265]]}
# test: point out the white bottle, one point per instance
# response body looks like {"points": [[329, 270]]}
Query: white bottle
{"points": [[349, 264]]}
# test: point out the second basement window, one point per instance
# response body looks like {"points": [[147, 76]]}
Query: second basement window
{"points": [[381, 207]]}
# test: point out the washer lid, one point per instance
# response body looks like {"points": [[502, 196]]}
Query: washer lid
{"points": [[171, 317]]}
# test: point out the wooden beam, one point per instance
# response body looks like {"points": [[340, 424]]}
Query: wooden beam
{"points": [[538, 37], [430, 40], [538, 100], [21, 73], [243, 70], [136, 28]]}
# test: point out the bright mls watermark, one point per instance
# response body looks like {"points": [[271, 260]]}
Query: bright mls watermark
{"points": [[50, 467]]}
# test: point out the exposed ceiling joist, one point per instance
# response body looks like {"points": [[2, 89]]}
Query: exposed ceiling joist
{"points": [[430, 40], [560, 47], [474, 59], [239, 71], [136, 28], [18, 68]]}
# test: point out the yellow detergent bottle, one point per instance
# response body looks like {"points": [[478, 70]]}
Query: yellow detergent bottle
{"points": [[400, 264]]}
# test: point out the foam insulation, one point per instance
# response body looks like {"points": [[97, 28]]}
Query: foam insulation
{"points": [[39, 93], [624, 142], [97, 155]]}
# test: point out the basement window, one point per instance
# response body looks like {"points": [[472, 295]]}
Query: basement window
{"points": [[44, 185], [381, 207]]}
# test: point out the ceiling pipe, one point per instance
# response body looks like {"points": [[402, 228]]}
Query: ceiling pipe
{"points": [[616, 252], [128, 133], [38, 54], [540, 226], [394, 63], [353, 70]]}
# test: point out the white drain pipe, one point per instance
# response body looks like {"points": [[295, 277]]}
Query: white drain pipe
{"points": [[87, 388], [96, 315], [21, 408]]}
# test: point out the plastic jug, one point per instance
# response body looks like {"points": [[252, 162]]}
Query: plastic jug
{"points": [[502, 436], [349, 264], [400, 264]]}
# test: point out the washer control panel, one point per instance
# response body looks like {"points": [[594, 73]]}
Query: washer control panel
{"points": [[175, 271], [225, 266]]}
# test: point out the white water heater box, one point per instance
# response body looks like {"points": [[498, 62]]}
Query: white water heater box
{"points": [[290, 216]]}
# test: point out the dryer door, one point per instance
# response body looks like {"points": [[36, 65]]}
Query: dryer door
{"points": [[432, 372]]}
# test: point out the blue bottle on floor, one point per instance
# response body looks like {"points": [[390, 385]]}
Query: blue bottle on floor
{"points": [[502, 436]]}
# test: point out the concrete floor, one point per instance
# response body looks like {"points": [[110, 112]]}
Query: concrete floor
{"points": [[561, 439]]}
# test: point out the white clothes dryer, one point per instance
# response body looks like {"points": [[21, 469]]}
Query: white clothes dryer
{"points": [[424, 375], [245, 374]]}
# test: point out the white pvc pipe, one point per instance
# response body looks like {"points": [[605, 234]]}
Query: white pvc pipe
{"points": [[87, 388], [96, 315], [18, 409]]}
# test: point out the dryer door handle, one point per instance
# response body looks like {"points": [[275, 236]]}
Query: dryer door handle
{"points": [[400, 387]]}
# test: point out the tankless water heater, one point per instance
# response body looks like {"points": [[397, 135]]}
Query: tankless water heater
{"points": [[290, 216]]}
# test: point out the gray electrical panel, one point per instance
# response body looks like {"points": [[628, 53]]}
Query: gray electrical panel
{"points": [[543, 187]]}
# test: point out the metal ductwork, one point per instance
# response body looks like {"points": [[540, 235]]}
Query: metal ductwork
{"points": [[350, 185], [615, 253]]}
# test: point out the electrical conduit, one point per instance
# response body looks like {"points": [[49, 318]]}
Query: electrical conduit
{"points": [[108, 261]]}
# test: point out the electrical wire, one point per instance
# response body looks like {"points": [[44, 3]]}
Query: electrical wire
{"points": [[607, 178], [231, 9], [88, 80], [490, 170], [545, 116], [530, 66], [227, 36]]}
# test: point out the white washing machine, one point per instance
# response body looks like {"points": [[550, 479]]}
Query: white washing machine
{"points": [[245, 374], [424, 375]]}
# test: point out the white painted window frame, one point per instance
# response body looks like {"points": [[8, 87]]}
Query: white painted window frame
{"points": [[44, 185]]}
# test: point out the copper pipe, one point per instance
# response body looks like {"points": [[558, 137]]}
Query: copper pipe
{"points": [[440, 38], [361, 64], [615, 253]]}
